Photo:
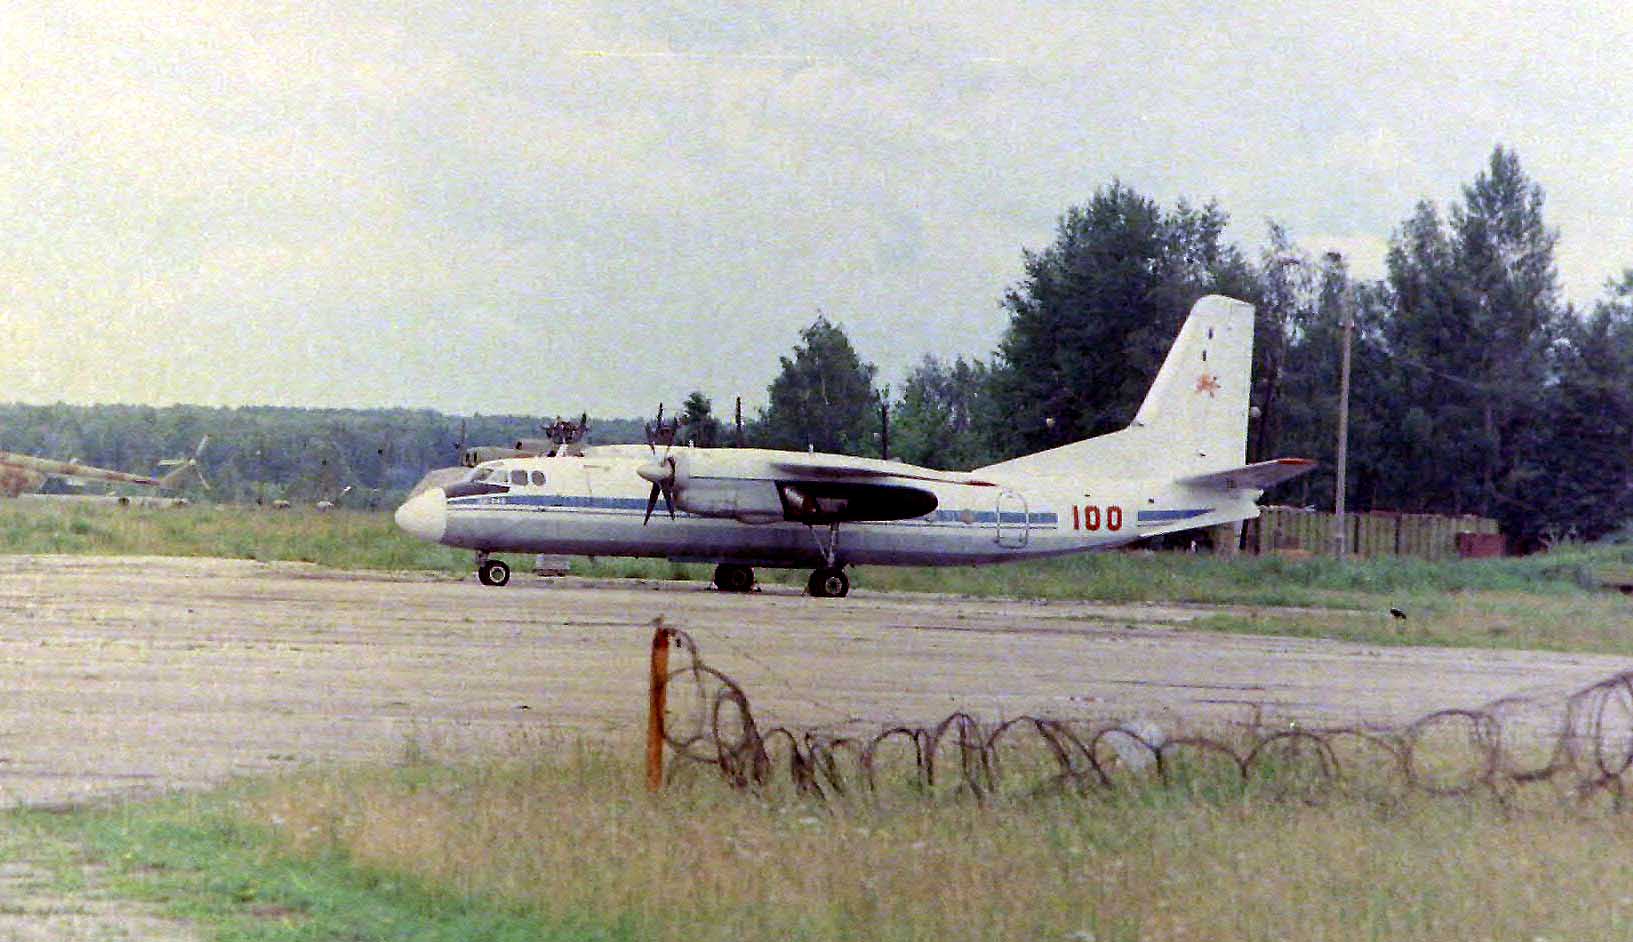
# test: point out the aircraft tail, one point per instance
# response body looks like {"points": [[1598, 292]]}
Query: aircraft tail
{"points": [[1194, 418]]}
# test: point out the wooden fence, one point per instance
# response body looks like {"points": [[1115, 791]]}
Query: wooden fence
{"points": [[1378, 533]]}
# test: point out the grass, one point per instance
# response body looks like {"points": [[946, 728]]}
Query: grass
{"points": [[562, 843], [1267, 580], [343, 539], [200, 859]]}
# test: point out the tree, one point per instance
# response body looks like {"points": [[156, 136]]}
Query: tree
{"points": [[1586, 487], [1306, 403], [1475, 316], [1097, 311], [1290, 289], [823, 398], [699, 426], [940, 418]]}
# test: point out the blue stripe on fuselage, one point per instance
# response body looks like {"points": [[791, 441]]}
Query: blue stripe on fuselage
{"points": [[539, 502], [1168, 516]]}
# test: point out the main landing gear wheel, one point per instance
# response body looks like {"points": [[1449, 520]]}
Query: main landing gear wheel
{"points": [[829, 582], [729, 577], [493, 572]]}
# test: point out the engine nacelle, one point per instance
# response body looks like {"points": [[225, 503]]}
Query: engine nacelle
{"points": [[748, 501], [750, 489]]}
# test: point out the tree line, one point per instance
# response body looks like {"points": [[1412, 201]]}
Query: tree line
{"points": [[360, 457], [1476, 388]]}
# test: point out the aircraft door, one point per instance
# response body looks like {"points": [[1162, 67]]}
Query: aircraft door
{"points": [[1014, 524]]}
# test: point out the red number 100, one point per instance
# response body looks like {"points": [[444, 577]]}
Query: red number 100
{"points": [[1092, 518]]}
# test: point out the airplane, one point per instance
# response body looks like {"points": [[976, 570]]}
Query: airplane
{"points": [[1179, 465], [21, 474]]}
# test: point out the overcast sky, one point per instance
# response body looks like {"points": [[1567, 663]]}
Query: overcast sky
{"points": [[554, 207]]}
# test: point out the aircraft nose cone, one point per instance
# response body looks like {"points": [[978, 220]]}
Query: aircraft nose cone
{"points": [[425, 515], [654, 472]]}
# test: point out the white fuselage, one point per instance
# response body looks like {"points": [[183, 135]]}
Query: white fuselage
{"points": [[595, 505]]}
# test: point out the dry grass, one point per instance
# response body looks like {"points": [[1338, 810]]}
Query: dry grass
{"points": [[577, 838]]}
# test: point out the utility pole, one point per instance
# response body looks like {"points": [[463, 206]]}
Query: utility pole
{"points": [[1341, 525], [884, 428]]}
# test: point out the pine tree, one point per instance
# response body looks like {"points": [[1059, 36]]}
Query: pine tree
{"points": [[1475, 313]]}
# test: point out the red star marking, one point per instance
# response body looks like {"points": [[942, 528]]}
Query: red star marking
{"points": [[1207, 384]]}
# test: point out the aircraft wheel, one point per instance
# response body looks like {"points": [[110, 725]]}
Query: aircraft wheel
{"points": [[829, 583], [493, 572], [729, 577]]}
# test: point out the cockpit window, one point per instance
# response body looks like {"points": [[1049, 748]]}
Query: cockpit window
{"points": [[538, 478], [518, 477]]}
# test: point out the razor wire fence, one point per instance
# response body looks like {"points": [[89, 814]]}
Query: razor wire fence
{"points": [[1581, 744]]}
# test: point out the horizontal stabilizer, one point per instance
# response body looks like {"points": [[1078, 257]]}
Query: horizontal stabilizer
{"points": [[1255, 477]]}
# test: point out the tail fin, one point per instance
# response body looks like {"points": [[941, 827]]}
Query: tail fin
{"points": [[1194, 418]]}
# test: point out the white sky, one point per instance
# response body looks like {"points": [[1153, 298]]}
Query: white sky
{"points": [[555, 207]]}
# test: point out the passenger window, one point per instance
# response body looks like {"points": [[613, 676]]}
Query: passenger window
{"points": [[518, 477], [538, 479]]}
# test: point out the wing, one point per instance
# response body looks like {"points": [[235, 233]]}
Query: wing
{"points": [[69, 469], [15, 480], [758, 486], [822, 488], [816, 465], [1254, 477]]}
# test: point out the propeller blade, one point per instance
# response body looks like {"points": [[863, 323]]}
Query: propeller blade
{"points": [[651, 502], [668, 488]]}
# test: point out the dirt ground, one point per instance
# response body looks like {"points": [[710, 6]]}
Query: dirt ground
{"points": [[132, 675]]}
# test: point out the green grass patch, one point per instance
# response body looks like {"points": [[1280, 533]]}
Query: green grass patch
{"points": [[1261, 580], [198, 858]]}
